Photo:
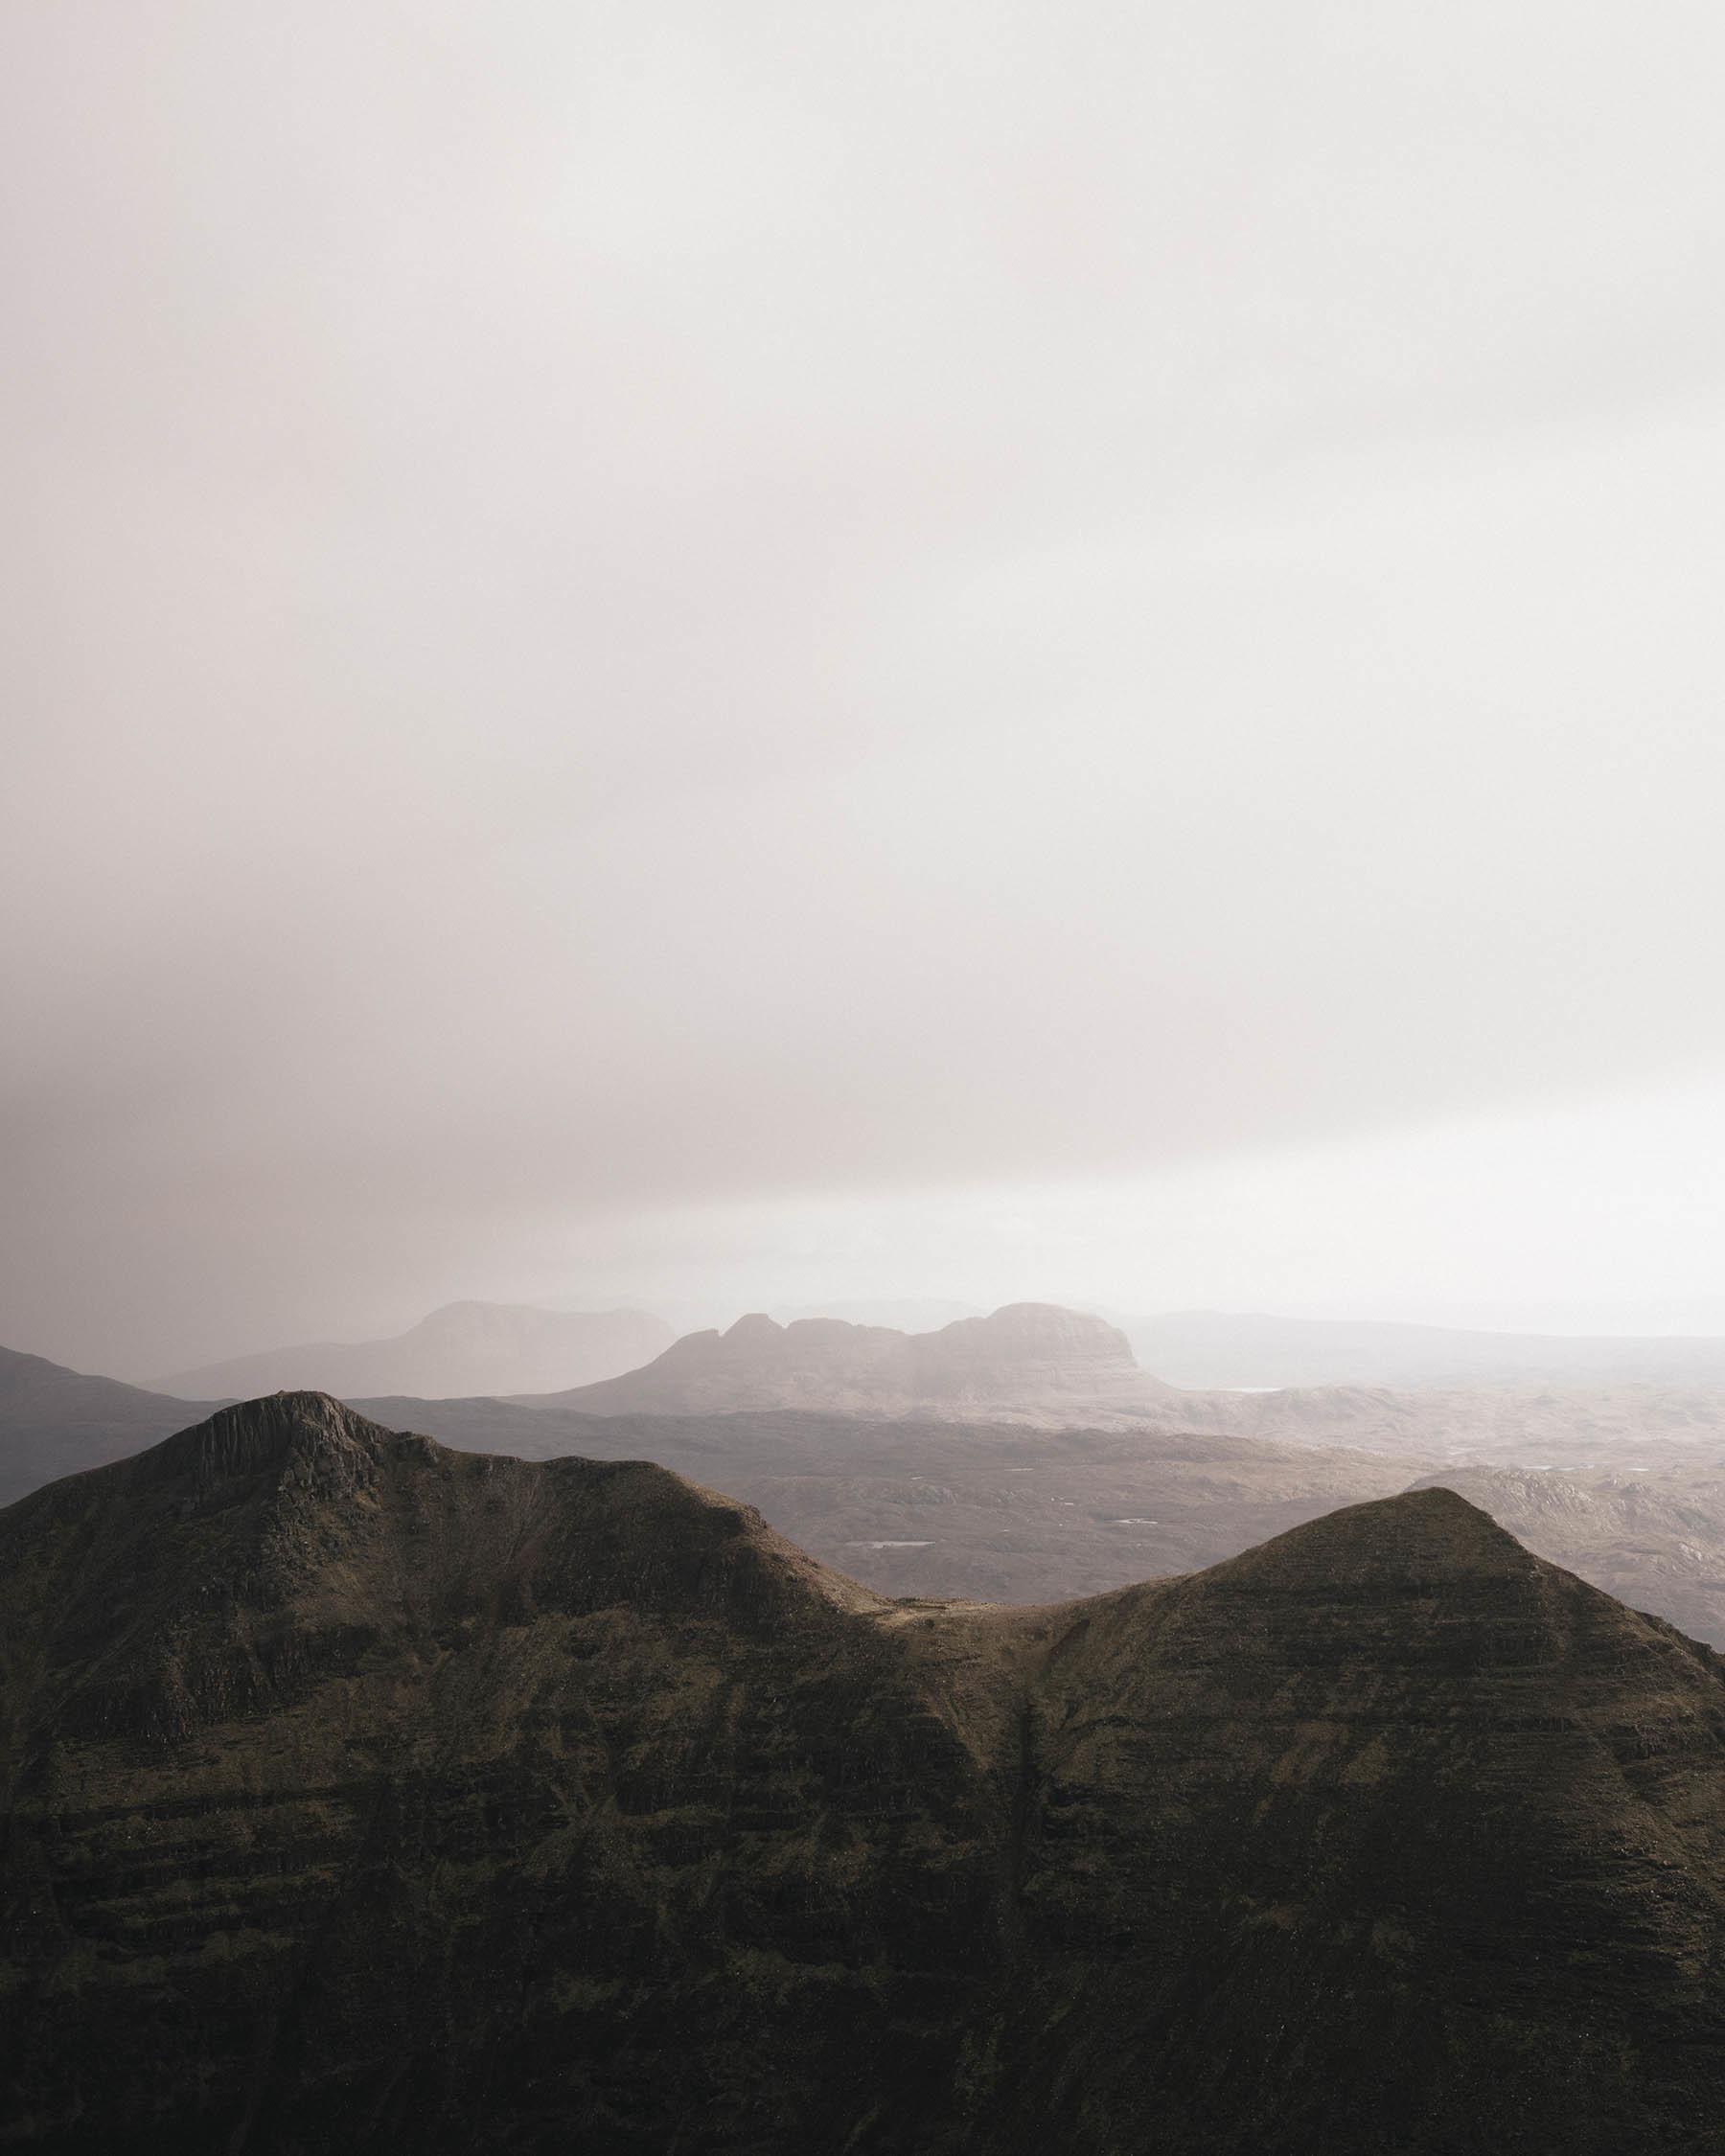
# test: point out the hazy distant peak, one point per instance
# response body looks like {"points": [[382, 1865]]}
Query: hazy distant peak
{"points": [[1044, 1327], [756, 1325], [1016, 1358], [462, 1349]]}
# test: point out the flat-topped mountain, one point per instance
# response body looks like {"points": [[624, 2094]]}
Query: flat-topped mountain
{"points": [[364, 1794], [1024, 1359], [465, 1348], [1039, 1364]]}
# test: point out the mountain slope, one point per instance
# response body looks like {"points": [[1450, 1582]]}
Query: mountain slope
{"points": [[1423, 1830], [465, 1347], [56, 1421], [990, 1511], [365, 1793], [1025, 1358], [1659, 1544], [1027, 1511], [1004, 1512], [351, 1779]]}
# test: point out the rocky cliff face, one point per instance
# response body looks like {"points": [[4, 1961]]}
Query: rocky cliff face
{"points": [[1024, 1359], [359, 1794]]}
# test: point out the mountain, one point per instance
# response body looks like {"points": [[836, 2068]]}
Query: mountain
{"points": [[364, 1794], [1203, 1348], [1659, 1544], [465, 1347], [910, 1313], [1026, 1358], [1044, 1508], [1010, 1513], [55, 1421], [993, 1511], [1041, 1365]]}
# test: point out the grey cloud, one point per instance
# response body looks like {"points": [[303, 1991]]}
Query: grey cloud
{"points": [[619, 610]]}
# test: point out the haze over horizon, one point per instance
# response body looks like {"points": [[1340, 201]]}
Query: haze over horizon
{"points": [[734, 661]]}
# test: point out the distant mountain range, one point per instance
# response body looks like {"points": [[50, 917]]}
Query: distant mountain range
{"points": [[360, 1792], [1029, 1359], [465, 1347], [1054, 1368], [1035, 1508]]}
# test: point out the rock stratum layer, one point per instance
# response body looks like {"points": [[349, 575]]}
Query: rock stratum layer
{"points": [[365, 1793]]}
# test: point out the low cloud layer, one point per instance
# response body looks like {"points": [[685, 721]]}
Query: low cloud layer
{"points": [[618, 612]]}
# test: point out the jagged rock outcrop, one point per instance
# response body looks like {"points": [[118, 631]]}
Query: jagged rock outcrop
{"points": [[362, 1794]]}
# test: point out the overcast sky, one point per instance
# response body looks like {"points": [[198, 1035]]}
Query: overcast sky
{"points": [[680, 652]]}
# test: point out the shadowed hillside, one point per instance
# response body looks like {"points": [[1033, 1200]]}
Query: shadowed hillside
{"points": [[56, 1421], [364, 1793]]}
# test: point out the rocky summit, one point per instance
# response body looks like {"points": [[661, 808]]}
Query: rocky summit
{"points": [[361, 1794]]}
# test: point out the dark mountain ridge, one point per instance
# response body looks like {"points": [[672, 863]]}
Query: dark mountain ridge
{"points": [[988, 1511], [362, 1793], [1036, 1509]]}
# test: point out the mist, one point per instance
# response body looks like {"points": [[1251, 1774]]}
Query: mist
{"points": [[725, 660]]}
